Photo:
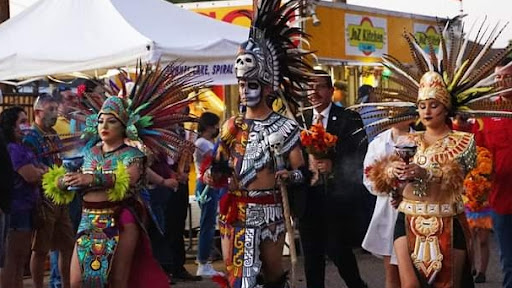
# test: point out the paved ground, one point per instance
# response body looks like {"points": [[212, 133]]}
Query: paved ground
{"points": [[371, 270]]}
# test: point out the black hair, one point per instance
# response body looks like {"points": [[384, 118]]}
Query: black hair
{"points": [[505, 61], [91, 84], [364, 90], [207, 120], [8, 119], [323, 74]]}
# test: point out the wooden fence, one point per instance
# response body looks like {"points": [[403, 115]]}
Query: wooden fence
{"points": [[24, 100]]}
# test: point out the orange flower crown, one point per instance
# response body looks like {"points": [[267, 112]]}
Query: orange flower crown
{"points": [[477, 184], [317, 141]]}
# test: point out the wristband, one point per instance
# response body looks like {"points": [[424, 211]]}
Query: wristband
{"points": [[296, 176]]}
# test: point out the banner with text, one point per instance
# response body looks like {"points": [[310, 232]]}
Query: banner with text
{"points": [[220, 73], [425, 33], [365, 35]]}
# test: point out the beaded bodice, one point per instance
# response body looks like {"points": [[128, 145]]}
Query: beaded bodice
{"points": [[458, 146]]}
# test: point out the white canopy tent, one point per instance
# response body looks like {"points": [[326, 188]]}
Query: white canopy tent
{"points": [[60, 37]]}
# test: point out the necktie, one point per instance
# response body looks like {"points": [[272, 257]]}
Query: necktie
{"points": [[319, 119]]}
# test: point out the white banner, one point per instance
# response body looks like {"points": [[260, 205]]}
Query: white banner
{"points": [[220, 73], [365, 36]]}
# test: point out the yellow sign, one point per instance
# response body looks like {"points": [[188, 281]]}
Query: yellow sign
{"points": [[427, 35], [367, 38], [346, 32]]}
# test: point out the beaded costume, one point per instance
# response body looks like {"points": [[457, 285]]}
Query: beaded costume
{"points": [[460, 76], [248, 217], [429, 225], [147, 112], [270, 58]]}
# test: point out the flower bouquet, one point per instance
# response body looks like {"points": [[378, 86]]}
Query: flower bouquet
{"points": [[477, 184], [319, 144]]}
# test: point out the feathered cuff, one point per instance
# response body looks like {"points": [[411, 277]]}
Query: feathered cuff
{"points": [[120, 183], [53, 189], [381, 175], [452, 177]]}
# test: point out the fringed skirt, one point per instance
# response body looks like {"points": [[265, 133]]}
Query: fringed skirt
{"points": [[247, 219]]}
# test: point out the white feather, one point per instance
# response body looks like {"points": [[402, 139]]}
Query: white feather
{"points": [[462, 49], [424, 55], [403, 73], [489, 80], [481, 54]]}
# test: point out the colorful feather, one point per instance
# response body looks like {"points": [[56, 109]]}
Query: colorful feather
{"points": [[51, 187]]}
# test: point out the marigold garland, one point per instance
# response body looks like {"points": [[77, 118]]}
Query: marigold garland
{"points": [[317, 141], [477, 184]]}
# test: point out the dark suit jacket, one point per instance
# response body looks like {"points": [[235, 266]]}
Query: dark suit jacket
{"points": [[345, 190]]}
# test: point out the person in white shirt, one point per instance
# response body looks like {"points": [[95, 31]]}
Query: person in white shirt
{"points": [[208, 130], [379, 236]]}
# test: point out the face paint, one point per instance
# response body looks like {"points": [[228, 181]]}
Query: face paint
{"points": [[250, 92]]}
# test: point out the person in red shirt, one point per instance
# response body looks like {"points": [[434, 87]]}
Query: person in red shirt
{"points": [[478, 216], [495, 135]]}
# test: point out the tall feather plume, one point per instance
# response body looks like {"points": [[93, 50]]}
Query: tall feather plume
{"points": [[486, 68], [419, 60], [421, 53], [404, 83], [453, 53], [466, 68], [406, 77], [155, 105], [270, 28], [483, 51], [433, 56], [442, 54]]}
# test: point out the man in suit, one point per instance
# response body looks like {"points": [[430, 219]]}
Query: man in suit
{"points": [[327, 219]]}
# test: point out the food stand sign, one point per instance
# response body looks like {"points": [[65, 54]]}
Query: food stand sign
{"points": [[425, 33], [365, 35]]}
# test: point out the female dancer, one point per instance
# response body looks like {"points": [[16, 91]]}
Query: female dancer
{"points": [[431, 232], [112, 248]]}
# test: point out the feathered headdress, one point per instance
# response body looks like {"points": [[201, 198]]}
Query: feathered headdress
{"points": [[272, 54], [460, 75], [149, 107]]}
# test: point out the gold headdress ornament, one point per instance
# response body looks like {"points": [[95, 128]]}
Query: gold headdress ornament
{"points": [[461, 75], [432, 87]]}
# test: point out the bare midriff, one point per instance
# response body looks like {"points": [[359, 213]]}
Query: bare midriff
{"points": [[96, 196], [265, 180], [434, 194]]}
